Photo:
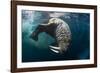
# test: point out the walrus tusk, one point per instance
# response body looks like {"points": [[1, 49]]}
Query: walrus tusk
{"points": [[56, 51], [56, 48]]}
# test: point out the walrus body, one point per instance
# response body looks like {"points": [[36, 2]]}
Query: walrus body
{"points": [[59, 30]]}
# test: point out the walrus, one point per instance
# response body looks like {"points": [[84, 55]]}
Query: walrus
{"points": [[59, 30]]}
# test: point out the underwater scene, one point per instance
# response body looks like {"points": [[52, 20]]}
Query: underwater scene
{"points": [[72, 44]]}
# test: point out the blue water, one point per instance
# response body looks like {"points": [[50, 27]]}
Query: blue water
{"points": [[79, 48]]}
